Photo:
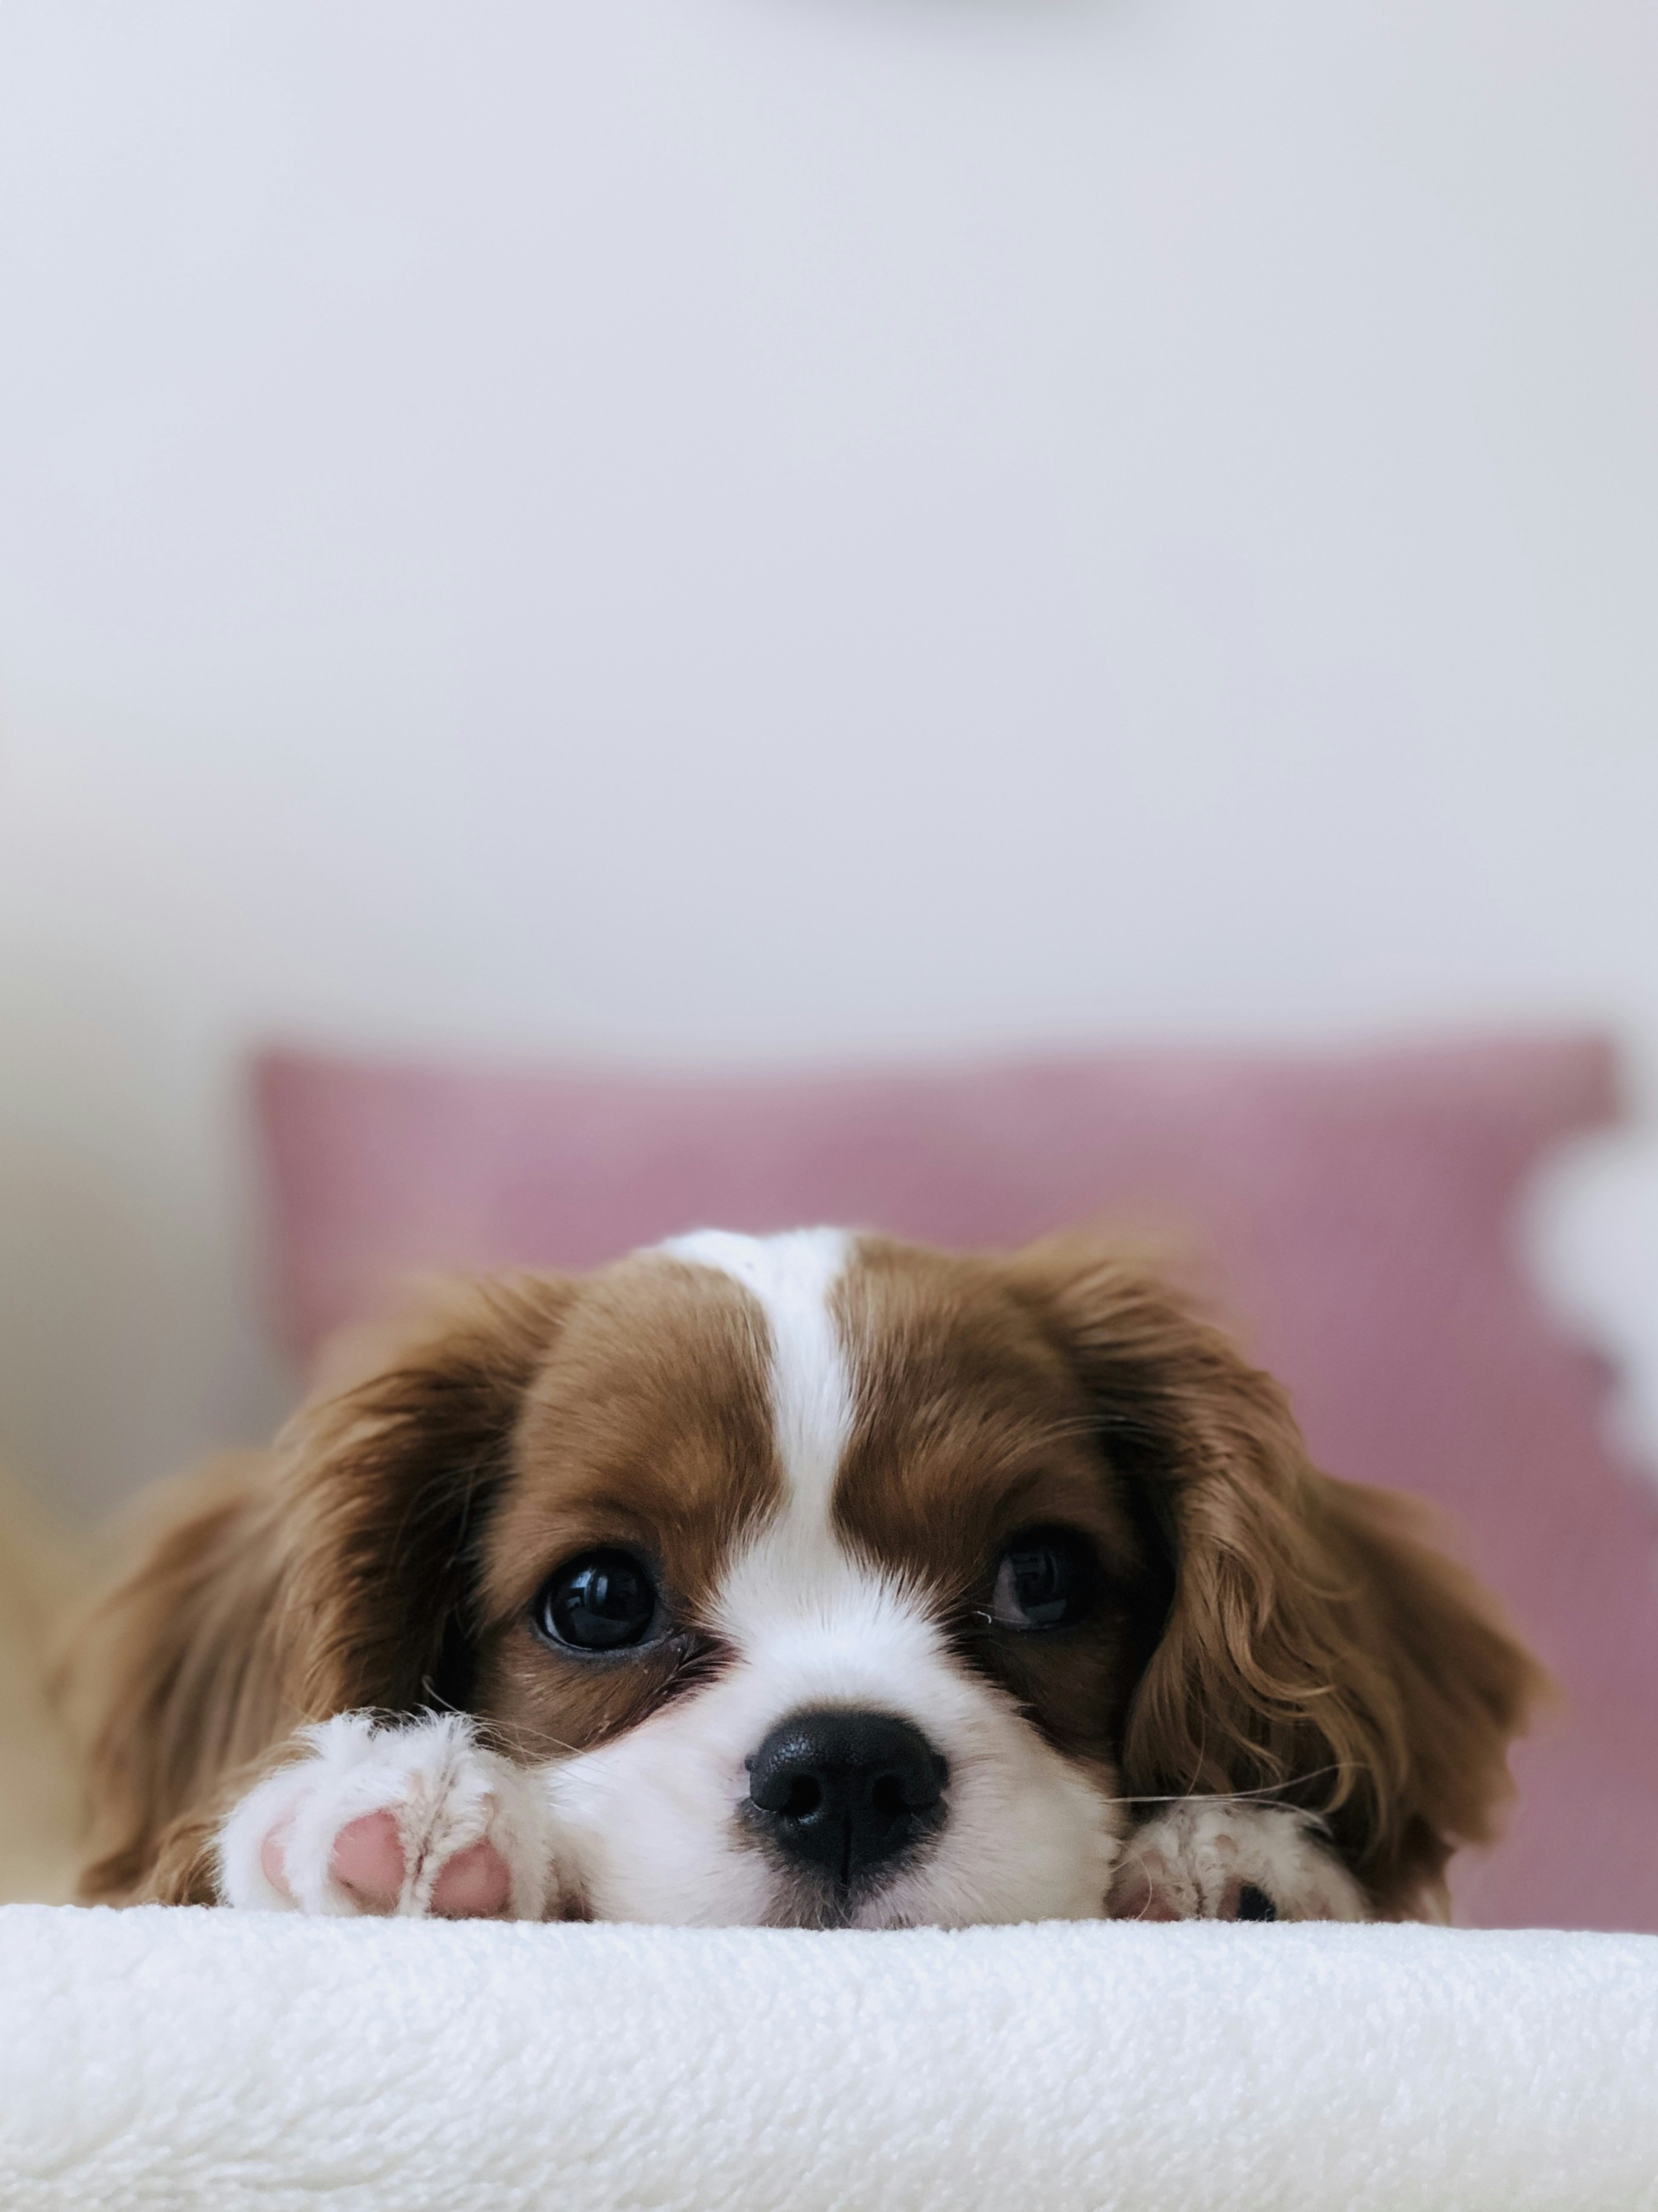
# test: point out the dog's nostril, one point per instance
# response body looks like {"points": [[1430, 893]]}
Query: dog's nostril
{"points": [[805, 1795], [844, 1790], [889, 1795]]}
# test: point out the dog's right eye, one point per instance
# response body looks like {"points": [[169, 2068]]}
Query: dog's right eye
{"points": [[602, 1601]]}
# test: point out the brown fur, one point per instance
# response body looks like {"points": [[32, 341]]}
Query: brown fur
{"points": [[1265, 1629], [1317, 1646], [973, 1423], [334, 1572], [44, 1569], [648, 1427]]}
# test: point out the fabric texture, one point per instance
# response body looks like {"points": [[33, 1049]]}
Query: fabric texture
{"points": [[168, 2059], [1354, 1215]]}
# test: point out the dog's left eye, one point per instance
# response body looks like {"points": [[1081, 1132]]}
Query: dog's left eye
{"points": [[601, 1601], [1046, 1578]]}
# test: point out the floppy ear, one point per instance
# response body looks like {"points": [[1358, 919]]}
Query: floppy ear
{"points": [[173, 1676], [1315, 1646], [331, 1573], [388, 1485]]}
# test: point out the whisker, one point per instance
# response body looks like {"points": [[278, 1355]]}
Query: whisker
{"points": [[1267, 1790]]}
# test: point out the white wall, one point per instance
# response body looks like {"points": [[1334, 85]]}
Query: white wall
{"points": [[782, 528]]}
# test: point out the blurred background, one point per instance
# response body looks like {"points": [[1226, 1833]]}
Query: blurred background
{"points": [[772, 533]]}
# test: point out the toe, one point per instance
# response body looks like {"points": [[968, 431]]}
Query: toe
{"points": [[273, 1862], [368, 1861], [474, 1885], [1139, 1896]]}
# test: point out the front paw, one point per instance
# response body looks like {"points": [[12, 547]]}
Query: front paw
{"points": [[413, 1818], [1213, 1859]]}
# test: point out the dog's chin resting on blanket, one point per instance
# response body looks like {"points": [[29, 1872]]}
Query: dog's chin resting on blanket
{"points": [[815, 1580]]}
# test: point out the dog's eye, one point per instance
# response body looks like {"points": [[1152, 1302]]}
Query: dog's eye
{"points": [[601, 1601], [1046, 1578]]}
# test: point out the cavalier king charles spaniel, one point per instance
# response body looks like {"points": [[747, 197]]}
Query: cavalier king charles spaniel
{"points": [[814, 1581]]}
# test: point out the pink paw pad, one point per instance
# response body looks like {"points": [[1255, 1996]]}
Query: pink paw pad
{"points": [[368, 1861], [474, 1885], [1142, 1902], [1141, 1898]]}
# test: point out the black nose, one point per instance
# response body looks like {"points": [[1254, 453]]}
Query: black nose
{"points": [[844, 1790]]}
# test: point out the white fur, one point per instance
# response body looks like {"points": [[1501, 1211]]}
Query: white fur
{"points": [[628, 1828], [793, 1277], [655, 1819], [445, 1791], [1190, 1862]]}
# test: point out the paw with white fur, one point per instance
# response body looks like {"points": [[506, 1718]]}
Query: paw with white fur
{"points": [[413, 1818], [1214, 1858]]}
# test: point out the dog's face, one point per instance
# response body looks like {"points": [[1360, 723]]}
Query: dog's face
{"points": [[840, 1582], [812, 1560]]}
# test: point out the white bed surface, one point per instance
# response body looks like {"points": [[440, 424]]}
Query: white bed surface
{"points": [[156, 2058]]}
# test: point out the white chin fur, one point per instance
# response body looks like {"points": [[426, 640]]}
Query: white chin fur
{"points": [[653, 1820]]}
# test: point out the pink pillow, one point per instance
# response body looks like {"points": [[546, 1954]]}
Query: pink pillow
{"points": [[1359, 1212]]}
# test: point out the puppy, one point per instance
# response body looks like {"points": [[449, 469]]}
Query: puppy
{"points": [[813, 1581]]}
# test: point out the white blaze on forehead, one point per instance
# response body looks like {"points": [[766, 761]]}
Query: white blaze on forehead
{"points": [[792, 1277]]}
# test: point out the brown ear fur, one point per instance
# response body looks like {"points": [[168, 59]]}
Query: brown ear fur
{"points": [[170, 1677], [330, 1574], [1316, 1647]]}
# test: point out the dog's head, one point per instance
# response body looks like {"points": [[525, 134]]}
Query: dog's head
{"points": [[851, 1583]]}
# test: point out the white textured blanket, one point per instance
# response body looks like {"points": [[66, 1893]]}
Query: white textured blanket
{"points": [[183, 2058]]}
